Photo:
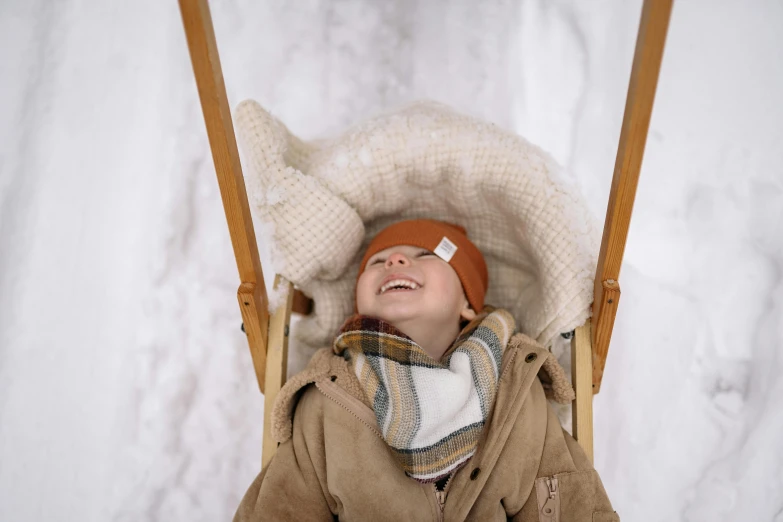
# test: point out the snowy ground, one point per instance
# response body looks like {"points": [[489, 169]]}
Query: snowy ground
{"points": [[126, 388]]}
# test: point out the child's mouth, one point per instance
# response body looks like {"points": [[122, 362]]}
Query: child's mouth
{"points": [[399, 290], [399, 285]]}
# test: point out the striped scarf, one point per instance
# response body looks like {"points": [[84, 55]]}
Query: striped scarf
{"points": [[431, 413]]}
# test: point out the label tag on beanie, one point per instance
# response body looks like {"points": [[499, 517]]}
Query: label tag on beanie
{"points": [[445, 249]]}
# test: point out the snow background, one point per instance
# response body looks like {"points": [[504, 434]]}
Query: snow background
{"points": [[126, 387]]}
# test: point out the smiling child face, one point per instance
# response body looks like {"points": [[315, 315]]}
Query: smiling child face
{"points": [[404, 283]]}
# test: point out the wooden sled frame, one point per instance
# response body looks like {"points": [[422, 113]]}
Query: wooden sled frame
{"points": [[268, 335]]}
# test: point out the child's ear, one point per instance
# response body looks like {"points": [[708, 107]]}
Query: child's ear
{"points": [[467, 312]]}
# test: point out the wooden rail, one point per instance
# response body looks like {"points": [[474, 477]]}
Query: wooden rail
{"points": [[633, 137], [582, 379], [277, 365], [252, 294]]}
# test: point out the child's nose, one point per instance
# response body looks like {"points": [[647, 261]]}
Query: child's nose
{"points": [[397, 259]]}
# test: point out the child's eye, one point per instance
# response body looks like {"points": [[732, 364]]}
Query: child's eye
{"points": [[381, 260]]}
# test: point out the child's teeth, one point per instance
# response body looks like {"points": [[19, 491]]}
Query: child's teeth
{"points": [[399, 282]]}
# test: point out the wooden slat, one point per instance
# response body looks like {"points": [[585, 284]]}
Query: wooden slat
{"points": [[276, 365], [220, 129], [633, 136], [582, 379]]}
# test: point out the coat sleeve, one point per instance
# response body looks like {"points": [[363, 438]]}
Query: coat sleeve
{"points": [[293, 486]]}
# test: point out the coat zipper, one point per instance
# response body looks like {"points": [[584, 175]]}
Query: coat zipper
{"points": [[440, 496], [550, 506]]}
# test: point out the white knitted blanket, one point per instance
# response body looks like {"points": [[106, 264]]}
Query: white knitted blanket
{"points": [[320, 203]]}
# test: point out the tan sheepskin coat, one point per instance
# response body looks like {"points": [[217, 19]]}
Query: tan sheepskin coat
{"points": [[333, 464]]}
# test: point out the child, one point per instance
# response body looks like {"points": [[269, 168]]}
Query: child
{"points": [[427, 407]]}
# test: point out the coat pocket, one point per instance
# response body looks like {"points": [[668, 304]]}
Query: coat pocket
{"points": [[573, 497]]}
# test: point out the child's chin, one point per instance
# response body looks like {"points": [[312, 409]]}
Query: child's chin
{"points": [[396, 314]]}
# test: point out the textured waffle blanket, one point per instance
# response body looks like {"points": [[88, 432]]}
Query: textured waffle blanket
{"points": [[319, 204]]}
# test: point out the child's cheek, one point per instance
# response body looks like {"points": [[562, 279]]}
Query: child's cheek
{"points": [[364, 291]]}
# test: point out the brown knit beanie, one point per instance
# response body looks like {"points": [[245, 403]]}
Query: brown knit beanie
{"points": [[449, 242]]}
